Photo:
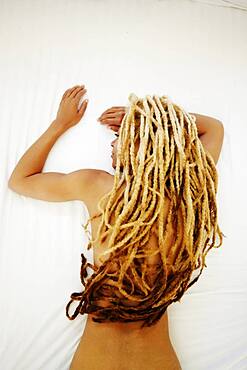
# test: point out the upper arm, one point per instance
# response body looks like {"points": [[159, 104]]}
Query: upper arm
{"points": [[212, 141], [59, 187]]}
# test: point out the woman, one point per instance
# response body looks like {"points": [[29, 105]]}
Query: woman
{"points": [[157, 215]]}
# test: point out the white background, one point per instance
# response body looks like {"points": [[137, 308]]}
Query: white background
{"points": [[193, 51]]}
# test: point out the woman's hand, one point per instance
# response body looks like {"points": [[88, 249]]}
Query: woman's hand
{"points": [[113, 117], [68, 114]]}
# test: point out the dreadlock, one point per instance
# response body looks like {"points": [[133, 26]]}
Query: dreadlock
{"points": [[171, 163]]}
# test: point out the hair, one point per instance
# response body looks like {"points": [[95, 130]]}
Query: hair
{"points": [[171, 163]]}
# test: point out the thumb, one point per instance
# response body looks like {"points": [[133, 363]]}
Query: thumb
{"points": [[83, 107]]}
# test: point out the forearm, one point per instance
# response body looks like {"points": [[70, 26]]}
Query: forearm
{"points": [[206, 124], [34, 158]]}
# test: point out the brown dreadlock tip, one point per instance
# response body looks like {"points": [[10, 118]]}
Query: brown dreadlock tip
{"points": [[76, 296], [83, 260], [93, 267], [75, 314]]}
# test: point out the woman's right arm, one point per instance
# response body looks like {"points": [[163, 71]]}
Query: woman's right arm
{"points": [[211, 134], [210, 130]]}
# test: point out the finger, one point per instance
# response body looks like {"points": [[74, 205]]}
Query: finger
{"points": [[68, 92], [75, 91], [108, 115], [79, 94], [65, 93], [114, 128], [115, 115], [83, 107], [121, 107], [109, 121], [113, 109], [72, 90]]}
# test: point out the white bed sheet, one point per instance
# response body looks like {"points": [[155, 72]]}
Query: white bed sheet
{"points": [[194, 52]]}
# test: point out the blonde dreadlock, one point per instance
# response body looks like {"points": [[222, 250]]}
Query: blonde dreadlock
{"points": [[171, 162]]}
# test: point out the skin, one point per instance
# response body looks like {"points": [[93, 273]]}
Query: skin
{"points": [[114, 145], [87, 185], [114, 152], [29, 180]]}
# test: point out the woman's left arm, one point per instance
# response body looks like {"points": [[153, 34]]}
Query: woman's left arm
{"points": [[33, 160], [27, 177]]}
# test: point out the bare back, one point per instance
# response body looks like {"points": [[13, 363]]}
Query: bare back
{"points": [[105, 345]]}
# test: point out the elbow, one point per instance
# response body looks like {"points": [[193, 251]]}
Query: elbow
{"points": [[14, 180], [10, 183], [219, 127], [221, 124], [222, 129]]}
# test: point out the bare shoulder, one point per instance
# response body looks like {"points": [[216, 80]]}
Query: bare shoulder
{"points": [[105, 183], [101, 183], [94, 177]]}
